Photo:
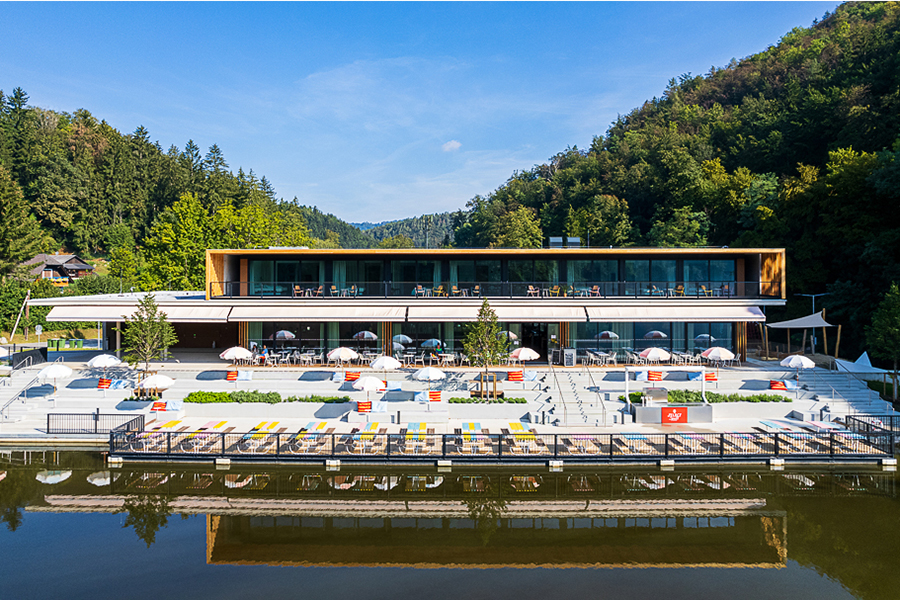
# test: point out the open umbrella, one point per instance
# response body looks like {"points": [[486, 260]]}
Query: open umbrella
{"points": [[429, 374], [398, 347], [342, 355], [525, 354], [656, 354], [402, 339], [4, 352], [158, 382], [507, 334], [655, 335], [53, 477], [386, 363], [54, 372], [704, 337], [368, 384], [797, 361], [100, 478], [365, 335], [432, 343], [717, 354], [607, 335], [236, 353], [284, 334], [103, 361]]}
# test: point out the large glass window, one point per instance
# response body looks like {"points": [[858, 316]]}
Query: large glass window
{"points": [[637, 276], [262, 277], [663, 272], [521, 270], [546, 271]]}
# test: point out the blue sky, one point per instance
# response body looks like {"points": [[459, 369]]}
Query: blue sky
{"points": [[375, 111]]}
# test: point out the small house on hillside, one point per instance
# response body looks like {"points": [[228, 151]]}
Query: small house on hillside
{"points": [[60, 269]]}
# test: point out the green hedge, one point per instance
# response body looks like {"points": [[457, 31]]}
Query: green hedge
{"points": [[690, 396], [244, 397], [323, 399], [482, 401]]}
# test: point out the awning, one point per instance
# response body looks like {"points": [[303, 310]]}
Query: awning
{"points": [[807, 322], [118, 312], [676, 314], [535, 311], [354, 313], [427, 314]]}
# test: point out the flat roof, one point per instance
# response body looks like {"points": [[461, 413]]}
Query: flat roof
{"points": [[497, 251]]}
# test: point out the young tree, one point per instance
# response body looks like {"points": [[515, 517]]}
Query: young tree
{"points": [[883, 335], [148, 333], [484, 344], [519, 229]]}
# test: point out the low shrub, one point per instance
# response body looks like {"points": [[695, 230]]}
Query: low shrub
{"points": [[322, 399], [240, 397], [691, 396], [471, 400]]}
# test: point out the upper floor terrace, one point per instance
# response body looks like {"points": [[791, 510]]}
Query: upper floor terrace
{"points": [[503, 273]]}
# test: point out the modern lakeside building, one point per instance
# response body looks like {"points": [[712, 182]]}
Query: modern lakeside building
{"points": [[547, 299]]}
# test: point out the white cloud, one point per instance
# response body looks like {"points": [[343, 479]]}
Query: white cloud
{"points": [[451, 146]]}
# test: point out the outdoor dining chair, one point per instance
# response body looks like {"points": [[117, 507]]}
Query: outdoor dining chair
{"points": [[533, 291]]}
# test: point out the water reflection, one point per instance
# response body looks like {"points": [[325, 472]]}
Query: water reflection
{"points": [[843, 523]]}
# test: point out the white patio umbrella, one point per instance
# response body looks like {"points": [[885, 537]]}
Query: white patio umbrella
{"points": [[607, 335], [100, 478], [704, 337], [797, 361], [365, 335], [54, 372], [386, 363], [507, 334], [402, 339], [432, 343], [398, 347], [656, 354], [368, 384], [103, 361], [4, 352], [342, 355], [160, 382], [53, 477], [236, 353], [717, 354], [655, 335], [525, 354], [429, 374]]}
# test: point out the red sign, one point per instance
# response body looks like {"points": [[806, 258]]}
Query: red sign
{"points": [[231, 376], [157, 406], [654, 376], [364, 407], [674, 415]]}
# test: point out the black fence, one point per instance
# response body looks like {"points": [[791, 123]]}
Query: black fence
{"points": [[510, 447], [87, 423], [874, 423]]}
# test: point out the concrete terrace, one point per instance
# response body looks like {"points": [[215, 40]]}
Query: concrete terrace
{"points": [[560, 399]]}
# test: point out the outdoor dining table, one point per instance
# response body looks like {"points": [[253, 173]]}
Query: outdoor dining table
{"points": [[448, 359]]}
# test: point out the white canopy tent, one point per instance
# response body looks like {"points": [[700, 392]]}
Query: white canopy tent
{"points": [[813, 321]]}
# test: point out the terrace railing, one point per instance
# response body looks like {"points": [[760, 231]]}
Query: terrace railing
{"points": [[496, 289], [92, 423], [506, 446]]}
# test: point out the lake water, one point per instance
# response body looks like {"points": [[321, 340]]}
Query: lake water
{"points": [[169, 531]]}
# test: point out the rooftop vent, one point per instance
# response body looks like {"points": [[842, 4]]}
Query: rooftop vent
{"points": [[573, 242], [556, 242]]}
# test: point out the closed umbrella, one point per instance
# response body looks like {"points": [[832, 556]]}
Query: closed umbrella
{"points": [[368, 384], [402, 339], [656, 354], [429, 374], [607, 335], [655, 335], [365, 335], [157, 382], [53, 477], [54, 372]]}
